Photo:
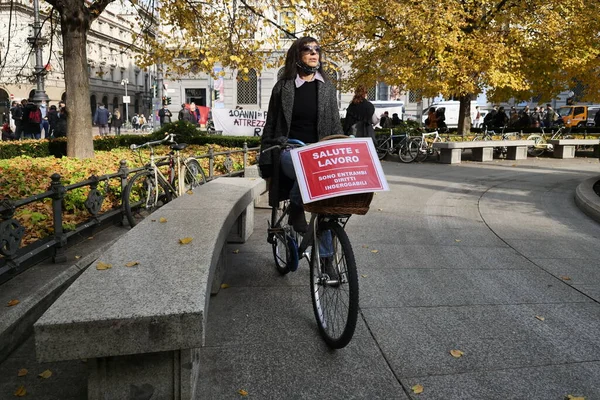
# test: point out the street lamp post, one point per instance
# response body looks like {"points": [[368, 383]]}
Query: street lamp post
{"points": [[125, 82], [37, 43]]}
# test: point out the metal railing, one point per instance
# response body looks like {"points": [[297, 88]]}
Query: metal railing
{"points": [[15, 258]]}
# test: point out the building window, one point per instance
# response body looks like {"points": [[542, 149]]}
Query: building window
{"points": [[112, 74], [247, 88], [287, 20], [122, 74], [372, 93], [414, 96], [379, 92]]}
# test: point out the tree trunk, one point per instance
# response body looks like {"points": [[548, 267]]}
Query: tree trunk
{"points": [[464, 115], [75, 25]]}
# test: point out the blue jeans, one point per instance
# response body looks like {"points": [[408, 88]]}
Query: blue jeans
{"points": [[326, 242]]}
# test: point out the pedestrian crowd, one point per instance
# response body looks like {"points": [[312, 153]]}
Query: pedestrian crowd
{"points": [[28, 121], [538, 117]]}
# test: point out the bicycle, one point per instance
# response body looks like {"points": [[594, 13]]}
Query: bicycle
{"points": [[424, 145], [541, 141], [385, 144], [333, 274], [149, 189]]}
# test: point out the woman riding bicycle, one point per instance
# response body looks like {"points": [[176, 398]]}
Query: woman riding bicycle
{"points": [[303, 106]]}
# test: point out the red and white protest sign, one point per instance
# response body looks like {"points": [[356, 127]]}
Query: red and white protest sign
{"points": [[338, 167]]}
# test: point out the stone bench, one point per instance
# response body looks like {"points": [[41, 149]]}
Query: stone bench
{"points": [[565, 148], [483, 150], [140, 327]]}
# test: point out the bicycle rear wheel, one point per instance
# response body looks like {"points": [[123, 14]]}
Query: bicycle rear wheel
{"points": [[334, 285], [381, 146], [139, 197], [408, 151], [538, 148], [285, 249]]}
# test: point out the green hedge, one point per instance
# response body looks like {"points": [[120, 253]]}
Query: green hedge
{"points": [[58, 147]]}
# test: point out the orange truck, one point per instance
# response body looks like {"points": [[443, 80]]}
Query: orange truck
{"points": [[577, 115]]}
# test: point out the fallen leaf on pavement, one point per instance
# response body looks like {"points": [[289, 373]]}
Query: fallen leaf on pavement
{"points": [[236, 251], [132, 264], [13, 303], [380, 209], [46, 374], [571, 397], [374, 251], [417, 389], [242, 392], [224, 286], [364, 276], [77, 257], [22, 372], [457, 240], [90, 238], [190, 192], [456, 353], [21, 391], [102, 266], [540, 317], [565, 278], [162, 220], [185, 240]]}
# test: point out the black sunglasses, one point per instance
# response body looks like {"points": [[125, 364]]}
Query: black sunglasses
{"points": [[309, 49]]}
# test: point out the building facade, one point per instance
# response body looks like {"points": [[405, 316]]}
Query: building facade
{"points": [[110, 55]]}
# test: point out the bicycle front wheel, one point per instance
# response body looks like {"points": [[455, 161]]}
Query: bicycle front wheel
{"points": [[334, 285], [421, 149], [408, 151], [285, 250], [193, 174], [140, 199]]}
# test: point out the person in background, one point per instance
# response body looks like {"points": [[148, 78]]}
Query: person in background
{"points": [[500, 119], [16, 112], [117, 121], [31, 120], [385, 121], [360, 111], [7, 133], [396, 120], [477, 119], [191, 115], [60, 130], [181, 114], [52, 119], [101, 120], [431, 120], [164, 114]]}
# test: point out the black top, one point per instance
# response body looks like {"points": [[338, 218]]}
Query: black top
{"points": [[356, 112], [304, 113]]}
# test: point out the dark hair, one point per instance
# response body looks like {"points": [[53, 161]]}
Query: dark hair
{"points": [[53, 107], [294, 55]]}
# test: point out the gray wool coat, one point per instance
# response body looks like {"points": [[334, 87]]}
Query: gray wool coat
{"points": [[279, 118], [279, 114]]}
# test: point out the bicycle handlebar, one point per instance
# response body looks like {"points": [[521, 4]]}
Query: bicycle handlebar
{"points": [[169, 138], [282, 142]]}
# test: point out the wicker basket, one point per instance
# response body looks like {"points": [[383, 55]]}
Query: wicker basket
{"points": [[349, 204]]}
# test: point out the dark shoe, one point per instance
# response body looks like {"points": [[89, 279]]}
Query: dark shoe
{"points": [[297, 218], [331, 271], [328, 267]]}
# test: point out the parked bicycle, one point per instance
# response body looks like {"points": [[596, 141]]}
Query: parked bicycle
{"points": [[150, 188], [395, 144], [333, 274], [424, 145], [541, 141]]}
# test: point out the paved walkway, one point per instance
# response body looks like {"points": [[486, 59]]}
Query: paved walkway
{"points": [[492, 259]]}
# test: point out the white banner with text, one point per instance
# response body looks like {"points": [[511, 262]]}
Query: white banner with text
{"points": [[239, 122]]}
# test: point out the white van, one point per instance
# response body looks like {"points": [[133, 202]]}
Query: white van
{"points": [[452, 107], [381, 106]]}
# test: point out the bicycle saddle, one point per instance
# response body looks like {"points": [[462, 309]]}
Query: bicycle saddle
{"points": [[179, 146]]}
